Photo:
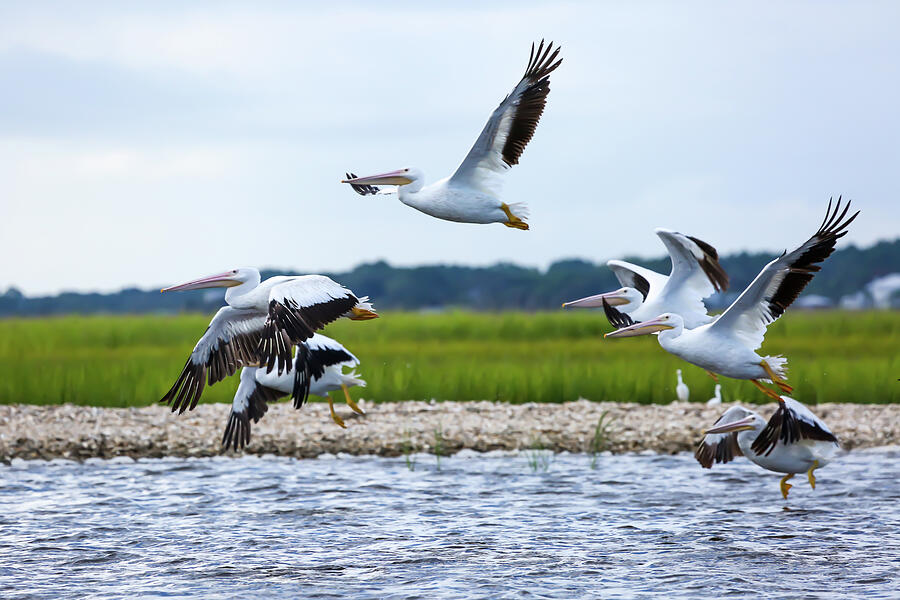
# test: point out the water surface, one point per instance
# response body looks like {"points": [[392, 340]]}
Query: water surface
{"points": [[478, 526]]}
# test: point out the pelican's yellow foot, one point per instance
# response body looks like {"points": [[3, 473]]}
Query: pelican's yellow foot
{"points": [[771, 394], [811, 475], [353, 406], [781, 383], [785, 486], [713, 375], [334, 416], [512, 220]]}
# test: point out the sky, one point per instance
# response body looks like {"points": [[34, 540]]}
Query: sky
{"points": [[144, 144]]}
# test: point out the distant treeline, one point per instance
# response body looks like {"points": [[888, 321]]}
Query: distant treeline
{"points": [[502, 286]]}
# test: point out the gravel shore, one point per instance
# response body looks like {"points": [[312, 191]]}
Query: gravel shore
{"points": [[391, 429]]}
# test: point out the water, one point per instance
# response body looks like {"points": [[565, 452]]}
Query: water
{"points": [[481, 526]]}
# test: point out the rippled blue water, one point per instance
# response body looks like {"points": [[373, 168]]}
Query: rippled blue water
{"points": [[479, 527]]}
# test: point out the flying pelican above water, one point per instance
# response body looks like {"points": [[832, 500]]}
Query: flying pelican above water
{"points": [[471, 194], [318, 370], [696, 274], [728, 345], [793, 441], [260, 325]]}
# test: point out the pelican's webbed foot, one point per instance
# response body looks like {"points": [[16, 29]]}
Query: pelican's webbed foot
{"points": [[781, 383], [785, 486], [512, 220]]}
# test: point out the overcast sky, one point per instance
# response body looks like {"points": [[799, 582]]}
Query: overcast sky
{"points": [[146, 144]]}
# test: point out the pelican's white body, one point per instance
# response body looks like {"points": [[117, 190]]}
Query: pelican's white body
{"points": [[332, 379], [716, 350], [454, 201], [717, 396], [798, 457]]}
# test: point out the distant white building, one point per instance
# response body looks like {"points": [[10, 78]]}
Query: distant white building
{"points": [[883, 292]]}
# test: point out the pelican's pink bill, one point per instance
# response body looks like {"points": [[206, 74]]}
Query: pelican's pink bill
{"points": [[398, 177], [612, 298], [226, 279], [741, 425], [644, 328]]}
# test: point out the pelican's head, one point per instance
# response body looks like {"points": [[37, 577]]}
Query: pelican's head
{"points": [[738, 418], [232, 278], [663, 322], [400, 177], [627, 297]]}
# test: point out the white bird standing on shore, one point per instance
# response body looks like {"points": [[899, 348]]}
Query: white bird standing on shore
{"points": [[696, 274], [728, 345], [717, 396], [681, 389], [318, 370], [793, 441], [471, 194], [260, 325]]}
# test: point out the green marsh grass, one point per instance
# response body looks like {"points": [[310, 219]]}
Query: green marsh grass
{"points": [[560, 356]]}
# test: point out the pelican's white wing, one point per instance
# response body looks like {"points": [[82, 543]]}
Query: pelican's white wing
{"points": [[251, 401], [511, 126], [298, 306], [637, 277], [231, 341], [791, 423], [695, 264], [696, 274], [720, 447], [781, 281]]}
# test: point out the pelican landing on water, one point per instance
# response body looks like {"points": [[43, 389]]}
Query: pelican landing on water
{"points": [[318, 369], [260, 326], [695, 275], [793, 441], [728, 345], [471, 194]]}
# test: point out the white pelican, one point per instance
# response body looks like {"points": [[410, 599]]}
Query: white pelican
{"points": [[319, 364], [793, 441], [728, 345], [471, 194], [260, 325], [717, 396], [696, 274], [681, 389]]}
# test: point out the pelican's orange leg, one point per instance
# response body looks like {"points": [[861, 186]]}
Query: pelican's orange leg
{"points": [[713, 375], [771, 394]]}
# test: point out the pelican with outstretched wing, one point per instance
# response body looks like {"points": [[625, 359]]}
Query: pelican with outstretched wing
{"points": [[793, 441], [696, 274], [728, 345], [318, 369], [471, 194], [260, 326]]}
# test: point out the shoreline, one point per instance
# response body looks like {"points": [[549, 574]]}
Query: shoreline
{"points": [[397, 428]]}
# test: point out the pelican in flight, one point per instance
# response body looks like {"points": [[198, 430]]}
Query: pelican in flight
{"points": [[696, 274], [318, 370], [260, 325], [793, 441], [471, 194], [728, 345]]}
